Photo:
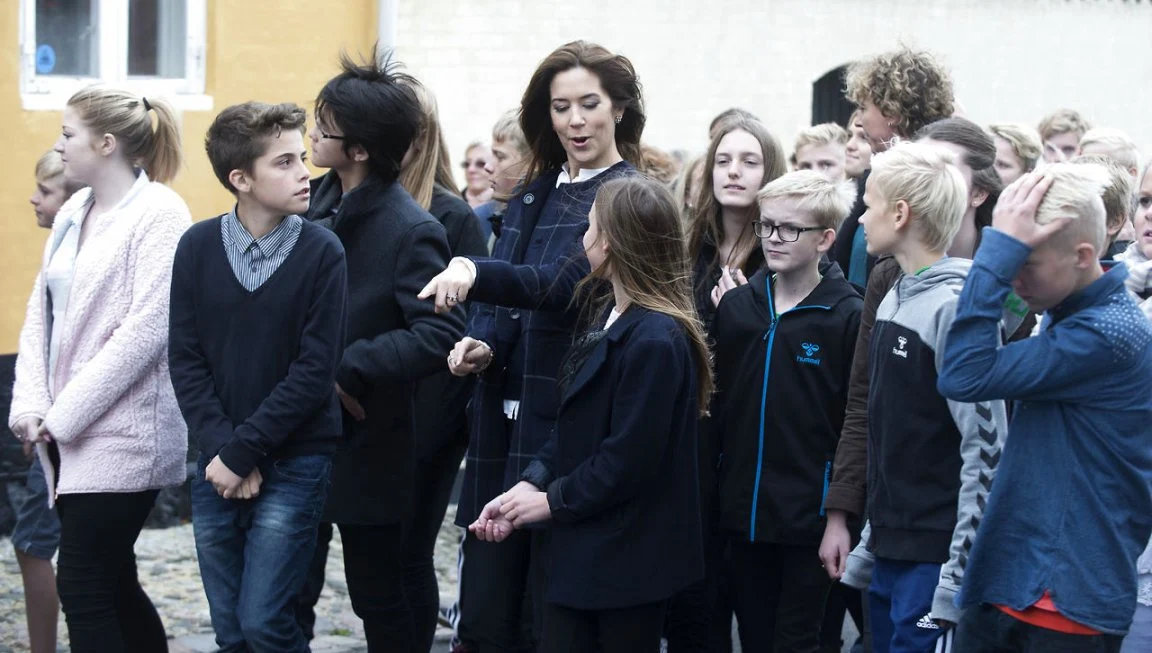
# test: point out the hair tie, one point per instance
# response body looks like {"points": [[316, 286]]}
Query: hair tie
{"points": [[144, 101]]}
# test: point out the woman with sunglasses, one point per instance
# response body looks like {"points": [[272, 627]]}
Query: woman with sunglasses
{"points": [[478, 187]]}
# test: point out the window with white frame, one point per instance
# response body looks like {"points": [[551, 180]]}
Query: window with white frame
{"points": [[154, 47]]}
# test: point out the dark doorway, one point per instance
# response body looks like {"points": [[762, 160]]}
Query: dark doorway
{"points": [[828, 101]]}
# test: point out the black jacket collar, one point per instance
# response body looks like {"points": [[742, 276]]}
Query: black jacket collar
{"points": [[832, 289]]}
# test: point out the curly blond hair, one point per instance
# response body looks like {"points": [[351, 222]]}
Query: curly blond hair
{"points": [[910, 87]]}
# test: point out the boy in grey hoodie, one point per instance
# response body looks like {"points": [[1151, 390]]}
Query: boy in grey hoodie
{"points": [[930, 461]]}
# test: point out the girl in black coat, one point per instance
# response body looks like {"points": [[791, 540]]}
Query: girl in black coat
{"points": [[618, 478]]}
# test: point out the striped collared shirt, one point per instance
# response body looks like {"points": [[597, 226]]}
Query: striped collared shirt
{"points": [[254, 260]]}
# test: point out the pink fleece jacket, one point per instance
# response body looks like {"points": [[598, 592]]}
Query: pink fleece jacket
{"points": [[112, 409]]}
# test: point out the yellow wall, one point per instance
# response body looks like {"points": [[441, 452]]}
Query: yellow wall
{"points": [[276, 52]]}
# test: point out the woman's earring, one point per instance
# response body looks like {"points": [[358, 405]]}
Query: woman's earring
{"points": [[618, 119]]}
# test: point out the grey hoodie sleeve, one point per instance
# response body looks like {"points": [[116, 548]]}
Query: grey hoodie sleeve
{"points": [[983, 427], [858, 570]]}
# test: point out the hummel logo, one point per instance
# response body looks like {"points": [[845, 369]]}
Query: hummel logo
{"points": [[901, 352], [809, 349], [927, 623]]}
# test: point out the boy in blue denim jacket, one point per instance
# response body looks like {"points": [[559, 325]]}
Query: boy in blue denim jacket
{"points": [[1054, 565]]}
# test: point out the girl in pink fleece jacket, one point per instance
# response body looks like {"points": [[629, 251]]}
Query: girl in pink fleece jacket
{"points": [[92, 377]]}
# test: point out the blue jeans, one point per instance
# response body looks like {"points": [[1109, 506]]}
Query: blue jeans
{"points": [[1139, 636], [254, 554], [899, 600], [37, 530]]}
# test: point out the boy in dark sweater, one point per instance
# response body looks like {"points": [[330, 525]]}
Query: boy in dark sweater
{"points": [[931, 461], [1054, 567], [256, 330], [784, 346]]}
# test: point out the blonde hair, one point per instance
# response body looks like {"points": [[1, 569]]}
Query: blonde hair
{"points": [[819, 135], [1076, 192], [429, 164], [507, 130], [827, 202], [1117, 196], [1115, 144], [1024, 140], [637, 218], [127, 116], [1062, 121], [926, 178], [49, 166]]}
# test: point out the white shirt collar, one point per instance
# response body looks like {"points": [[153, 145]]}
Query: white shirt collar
{"points": [[584, 175]]}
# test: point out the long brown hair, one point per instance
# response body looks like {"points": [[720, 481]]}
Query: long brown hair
{"points": [[619, 80], [638, 219], [707, 222]]}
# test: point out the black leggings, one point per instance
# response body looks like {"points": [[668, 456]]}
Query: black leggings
{"points": [[374, 573], [623, 630], [106, 609], [433, 488]]}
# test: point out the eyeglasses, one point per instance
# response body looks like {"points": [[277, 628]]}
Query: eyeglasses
{"points": [[334, 137], [787, 232], [478, 163]]}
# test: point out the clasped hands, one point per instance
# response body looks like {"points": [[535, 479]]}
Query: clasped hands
{"points": [[231, 486], [522, 505]]}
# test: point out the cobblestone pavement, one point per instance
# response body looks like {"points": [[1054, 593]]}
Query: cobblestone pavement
{"points": [[169, 573]]}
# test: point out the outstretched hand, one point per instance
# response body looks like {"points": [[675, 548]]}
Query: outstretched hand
{"points": [[1015, 213], [450, 287]]}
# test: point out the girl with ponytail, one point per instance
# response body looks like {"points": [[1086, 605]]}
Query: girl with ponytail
{"points": [[92, 386]]}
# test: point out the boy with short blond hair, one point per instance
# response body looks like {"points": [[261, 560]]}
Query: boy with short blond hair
{"points": [[510, 154], [1114, 144], [822, 148], [784, 340], [930, 460], [1054, 567], [1060, 132], [1117, 197]]}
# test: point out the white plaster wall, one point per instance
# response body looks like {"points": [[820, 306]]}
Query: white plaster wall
{"points": [[1012, 60]]}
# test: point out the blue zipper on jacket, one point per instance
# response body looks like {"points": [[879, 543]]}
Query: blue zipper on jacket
{"points": [[770, 336], [827, 481]]}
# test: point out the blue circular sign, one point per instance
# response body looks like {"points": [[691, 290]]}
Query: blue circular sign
{"points": [[45, 59]]}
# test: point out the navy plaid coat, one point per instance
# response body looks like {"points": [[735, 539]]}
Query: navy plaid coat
{"points": [[543, 227]]}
